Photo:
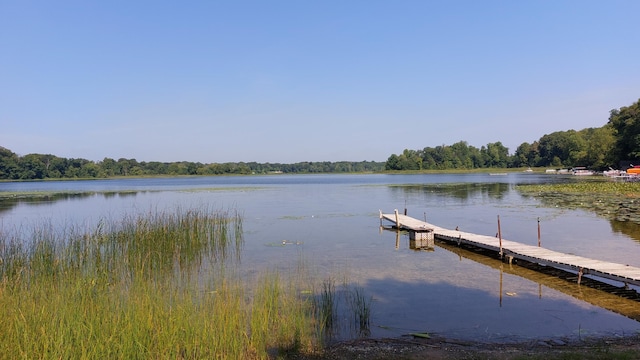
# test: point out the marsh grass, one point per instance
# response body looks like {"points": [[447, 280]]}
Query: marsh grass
{"points": [[613, 200], [326, 305], [332, 305], [360, 306], [157, 285]]}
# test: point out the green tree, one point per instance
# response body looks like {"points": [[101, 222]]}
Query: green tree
{"points": [[8, 164], [526, 155], [521, 156], [554, 149], [600, 147], [392, 163], [408, 160], [124, 166], [462, 157], [109, 167], [31, 167], [496, 155], [89, 170], [626, 125]]}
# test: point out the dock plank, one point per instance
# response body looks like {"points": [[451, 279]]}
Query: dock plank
{"points": [[543, 256]]}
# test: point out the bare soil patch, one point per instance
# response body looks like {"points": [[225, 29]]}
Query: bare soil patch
{"points": [[442, 348]]}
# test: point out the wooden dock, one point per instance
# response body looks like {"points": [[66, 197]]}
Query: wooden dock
{"points": [[510, 250]]}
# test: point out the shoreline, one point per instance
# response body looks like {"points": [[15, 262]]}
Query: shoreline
{"points": [[409, 348]]}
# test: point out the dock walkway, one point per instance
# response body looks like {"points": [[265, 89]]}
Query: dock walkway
{"points": [[514, 250]]}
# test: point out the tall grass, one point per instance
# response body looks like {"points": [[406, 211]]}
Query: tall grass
{"points": [[157, 285], [360, 306], [326, 306], [331, 306]]}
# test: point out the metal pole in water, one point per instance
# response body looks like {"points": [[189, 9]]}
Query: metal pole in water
{"points": [[500, 285], [538, 232], [397, 221], [500, 236]]}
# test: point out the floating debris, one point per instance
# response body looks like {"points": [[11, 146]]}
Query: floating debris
{"points": [[421, 335], [284, 243]]}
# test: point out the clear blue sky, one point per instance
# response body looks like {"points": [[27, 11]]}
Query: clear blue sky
{"points": [[290, 81]]}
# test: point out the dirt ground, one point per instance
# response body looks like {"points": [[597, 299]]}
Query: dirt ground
{"points": [[440, 348]]}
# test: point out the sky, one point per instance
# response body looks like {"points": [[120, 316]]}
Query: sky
{"points": [[286, 81]]}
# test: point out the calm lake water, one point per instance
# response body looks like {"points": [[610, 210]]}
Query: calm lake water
{"points": [[330, 223]]}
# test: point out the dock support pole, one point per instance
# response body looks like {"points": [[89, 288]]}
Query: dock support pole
{"points": [[538, 232], [500, 236], [500, 285], [397, 221], [580, 272]]}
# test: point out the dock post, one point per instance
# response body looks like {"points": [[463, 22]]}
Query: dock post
{"points": [[580, 272], [380, 218], [538, 232], [397, 221], [500, 236], [500, 285]]}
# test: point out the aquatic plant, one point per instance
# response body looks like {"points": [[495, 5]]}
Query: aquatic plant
{"points": [[361, 308], [326, 305], [157, 285], [618, 201]]}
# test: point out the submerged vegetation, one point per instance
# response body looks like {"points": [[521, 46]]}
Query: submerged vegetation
{"points": [[156, 285], [618, 201]]}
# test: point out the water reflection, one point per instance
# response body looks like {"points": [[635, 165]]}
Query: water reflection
{"points": [[461, 191], [7, 203], [445, 309], [623, 213], [335, 218], [627, 228], [619, 300]]}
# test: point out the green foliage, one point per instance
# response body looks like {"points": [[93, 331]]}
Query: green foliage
{"points": [[610, 199], [595, 148], [37, 166], [626, 123], [457, 156]]}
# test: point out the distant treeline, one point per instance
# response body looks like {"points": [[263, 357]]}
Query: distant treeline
{"points": [[37, 166], [596, 148]]}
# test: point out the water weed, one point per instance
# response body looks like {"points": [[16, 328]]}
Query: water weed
{"points": [[612, 200], [158, 285], [360, 306]]}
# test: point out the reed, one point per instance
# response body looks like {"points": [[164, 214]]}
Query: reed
{"points": [[343, 312], [326, 306], [157, 285], [360, 306], [280, 318]]}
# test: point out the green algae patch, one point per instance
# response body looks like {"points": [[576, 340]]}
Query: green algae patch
{"points": [[618, 201]]}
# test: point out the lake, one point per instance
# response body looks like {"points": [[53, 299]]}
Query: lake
{"points": [[331, 224]]}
